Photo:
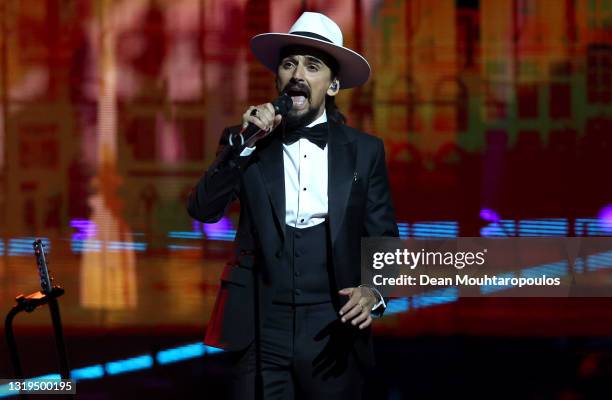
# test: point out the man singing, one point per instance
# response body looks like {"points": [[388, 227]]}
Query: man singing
{"points": [[290, 308]]}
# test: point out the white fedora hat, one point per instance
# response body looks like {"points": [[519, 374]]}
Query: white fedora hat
{"points": [[317, 31]]}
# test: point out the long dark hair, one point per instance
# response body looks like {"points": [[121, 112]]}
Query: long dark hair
{"points": [[333, 112]]}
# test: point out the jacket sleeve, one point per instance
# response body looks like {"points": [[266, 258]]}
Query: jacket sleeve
{"points": [[380, 215], [220, 185]]}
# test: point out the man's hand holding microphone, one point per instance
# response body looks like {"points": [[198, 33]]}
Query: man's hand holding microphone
{"points": [[259, 121]]}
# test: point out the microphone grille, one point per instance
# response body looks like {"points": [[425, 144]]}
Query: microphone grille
{"points": [[282, 104]]}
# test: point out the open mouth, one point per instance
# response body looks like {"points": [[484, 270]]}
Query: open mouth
{"points": [[299, 96]]}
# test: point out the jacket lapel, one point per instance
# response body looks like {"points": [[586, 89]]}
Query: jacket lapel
{"points": [[273, 171], [341, 167]]}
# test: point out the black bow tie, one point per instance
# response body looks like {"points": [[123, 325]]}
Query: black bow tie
{"points": [[317, 134]]}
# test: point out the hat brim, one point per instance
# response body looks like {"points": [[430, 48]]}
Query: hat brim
{"points": [[354, 69]]}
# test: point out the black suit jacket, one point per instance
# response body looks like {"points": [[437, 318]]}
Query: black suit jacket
{"points": [[359, 205]]}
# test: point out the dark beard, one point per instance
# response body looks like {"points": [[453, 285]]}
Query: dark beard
{"points": [[292, 122]]}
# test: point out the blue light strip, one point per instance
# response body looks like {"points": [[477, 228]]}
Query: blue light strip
{"points": [[435, 229], [579, 265], [213, 350], [488, 289], [543, 227], [589, 227], [396, 306], [145, 361], [404, 229], [119, 246], [599, 261], [435, 297], [549, 227], [92, 372], [179, 247], [501, 228], [225, 234], [1, 247], [4, 391], [128, 365], [23, 246], [79, 245], [552, 270], [48, 377], [95, 246], [185, 235], [181, 353]]}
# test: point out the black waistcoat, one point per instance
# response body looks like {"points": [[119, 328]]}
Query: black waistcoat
{"points": [[303, 276]]}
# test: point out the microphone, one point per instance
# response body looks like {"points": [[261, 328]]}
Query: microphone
{"points": [[282, 105]]}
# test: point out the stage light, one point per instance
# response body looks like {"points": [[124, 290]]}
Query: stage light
{"points": [[222, 230], [605, 219], [489, 215]]}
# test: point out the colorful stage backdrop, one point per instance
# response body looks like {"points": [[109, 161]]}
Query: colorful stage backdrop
{"points": [[114, 108]]}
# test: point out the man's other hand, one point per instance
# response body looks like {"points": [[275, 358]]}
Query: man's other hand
{"points": [[357, 308]]}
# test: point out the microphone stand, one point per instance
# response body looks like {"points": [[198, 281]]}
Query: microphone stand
{"points": [[30, 303]]}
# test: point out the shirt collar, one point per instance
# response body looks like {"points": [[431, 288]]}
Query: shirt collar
{"points": [[320, 120]]}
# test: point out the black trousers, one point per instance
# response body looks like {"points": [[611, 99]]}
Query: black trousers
{"points": [[306, 353]]}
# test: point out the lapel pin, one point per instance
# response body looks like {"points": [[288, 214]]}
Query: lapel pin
{"points": [[355, 176]]}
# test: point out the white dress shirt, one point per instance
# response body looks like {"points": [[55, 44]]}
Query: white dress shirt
{"points": [[305, 166], [305, 181]]}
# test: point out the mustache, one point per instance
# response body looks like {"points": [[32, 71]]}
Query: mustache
{"points": [[296, 88]]}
